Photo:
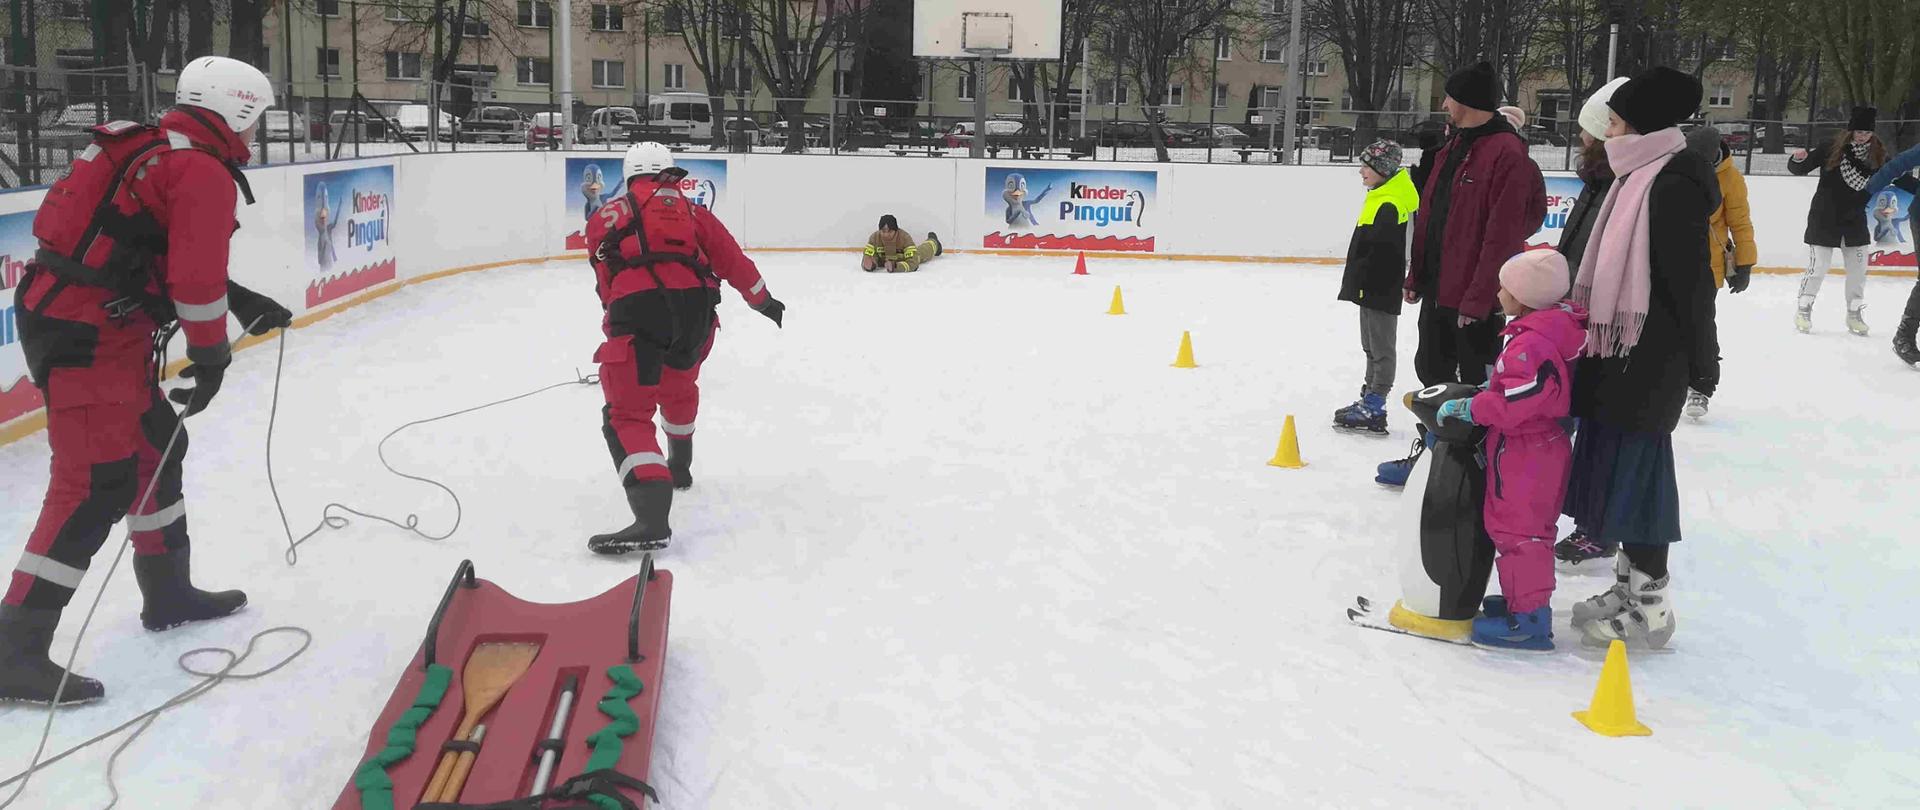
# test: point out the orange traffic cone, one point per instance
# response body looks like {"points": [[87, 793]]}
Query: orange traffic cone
{"points": [[1611, 711], [1287, 455], [1080, 266]]}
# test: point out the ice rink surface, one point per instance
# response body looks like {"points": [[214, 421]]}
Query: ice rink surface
{"points": [[960, 539]]}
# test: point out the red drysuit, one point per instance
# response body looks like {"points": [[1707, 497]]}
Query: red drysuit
{"points": [[104, 282], [659, 280]]}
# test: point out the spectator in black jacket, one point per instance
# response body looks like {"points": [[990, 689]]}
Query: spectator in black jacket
{"points": [[1651, 333], [1376, 267]]}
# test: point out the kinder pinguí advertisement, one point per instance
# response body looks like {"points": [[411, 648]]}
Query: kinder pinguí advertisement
{"points": [[1072, 209], [1561, 192], [590, 182], [348, 222], [18, 397], [1890, 224]]}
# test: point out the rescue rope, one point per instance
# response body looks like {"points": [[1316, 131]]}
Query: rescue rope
{"points": [[411, 523]]}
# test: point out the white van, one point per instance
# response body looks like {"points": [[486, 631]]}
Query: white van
{"points": [[684, 113]]}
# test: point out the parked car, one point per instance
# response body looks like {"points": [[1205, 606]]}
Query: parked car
{"points": [[815, 131], [544, 130], [608, 125], [960, 135], [498, 124], [747, 128], [1538, 135], [76, 116], [1221, 136], [1410, 138], [349, 126], [1140, 134], [283, 125], [688, 115], [412, 123]]}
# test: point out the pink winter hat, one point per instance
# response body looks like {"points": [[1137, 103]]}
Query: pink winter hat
{"points": [[1538, 278]]}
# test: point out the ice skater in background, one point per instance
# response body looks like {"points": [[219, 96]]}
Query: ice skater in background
{"points": [[1528, 452], [1900, 170], [323, 223], [1019, 208], [593, 188]]}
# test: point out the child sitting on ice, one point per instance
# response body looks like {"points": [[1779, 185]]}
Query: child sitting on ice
{"points": [[892, 250], [1528, 452]]}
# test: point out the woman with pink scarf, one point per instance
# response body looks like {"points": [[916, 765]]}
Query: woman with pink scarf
{"points": [[1646, 281]]}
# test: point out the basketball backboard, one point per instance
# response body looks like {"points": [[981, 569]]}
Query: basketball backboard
{"points": [[960, 29]]}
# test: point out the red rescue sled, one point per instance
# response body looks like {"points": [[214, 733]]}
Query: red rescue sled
{"points": [[609, 651]]}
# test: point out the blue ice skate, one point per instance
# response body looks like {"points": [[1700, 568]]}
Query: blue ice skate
{"points": [[1367, 416], [1531, 631], [1395, 473]]}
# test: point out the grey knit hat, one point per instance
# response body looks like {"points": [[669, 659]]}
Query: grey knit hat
{"points": [[1382, 156]]}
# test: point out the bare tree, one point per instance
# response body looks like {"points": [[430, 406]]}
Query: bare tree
{"points": [[1868, 50], [710, 29], [199, 28], [1149, 43], [1374, 40], [247, 39], [791, 42], [1506, 33]]}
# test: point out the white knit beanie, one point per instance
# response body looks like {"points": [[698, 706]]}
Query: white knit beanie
{"points": [[1595, 114]]}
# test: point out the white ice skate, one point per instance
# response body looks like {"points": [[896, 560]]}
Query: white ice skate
{"points": [[1803, 319], [1855, 323], [1609, 602], [1646, 616], [1696, 405]]}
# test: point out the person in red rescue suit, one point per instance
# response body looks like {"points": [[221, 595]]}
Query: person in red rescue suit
{"points": [[658, 260], [133, 245]]}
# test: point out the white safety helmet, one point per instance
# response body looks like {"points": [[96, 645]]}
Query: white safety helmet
{"points": [[235, 90], [646, 159]]}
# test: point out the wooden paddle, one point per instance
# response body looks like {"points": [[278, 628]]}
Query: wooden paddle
{"points": [[491, 670]]}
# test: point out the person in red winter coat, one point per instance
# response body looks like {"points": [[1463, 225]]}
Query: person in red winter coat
{"points": [[658, 261], [1527, 449], [133, 244]]}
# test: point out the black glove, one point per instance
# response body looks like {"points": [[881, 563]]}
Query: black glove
{"points": [[1738, 279], [206, 383], [773, 309], [257, 313]]}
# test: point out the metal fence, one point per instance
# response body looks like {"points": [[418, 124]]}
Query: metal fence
{"points": [[47, 113]]}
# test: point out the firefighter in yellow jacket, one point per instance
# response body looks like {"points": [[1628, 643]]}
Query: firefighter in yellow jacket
{"points": [[892, 250]]}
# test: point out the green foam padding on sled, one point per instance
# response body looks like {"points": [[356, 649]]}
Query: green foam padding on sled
{"points": [[376, 788], [610, 741]]}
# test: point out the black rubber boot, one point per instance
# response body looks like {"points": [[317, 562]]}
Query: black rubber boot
{"points": [[171, 599], [938, 249], [651, 501], [27, 675], [1903, 335], [680, 462]]}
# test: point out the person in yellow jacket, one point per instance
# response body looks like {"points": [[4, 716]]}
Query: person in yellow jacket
{"points": [[1729, 234], [892, 250]]}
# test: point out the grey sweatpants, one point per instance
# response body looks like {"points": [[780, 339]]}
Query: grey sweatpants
{"points": [[1379, 332], [1819, 259]]}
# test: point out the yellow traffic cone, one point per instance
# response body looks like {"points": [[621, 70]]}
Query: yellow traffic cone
{"points": [[1288, 453], [1611, 712], [1117, 308], [1185, 358]]}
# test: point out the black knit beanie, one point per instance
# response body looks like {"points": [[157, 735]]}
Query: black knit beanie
{"points": [[1863, 119], [1475, 87], [1655, 100]]}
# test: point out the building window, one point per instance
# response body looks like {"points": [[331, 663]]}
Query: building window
{"points": [[1110, 92], [329, 62], [1015, 92], [675, 23], [534, 14], [401, 12], [1220, 95], [402, 65], [1727, 51], [471, 27], [1721, 96], [737, 79], [1688, 51], [1222, 47], [1117, 45], [1176, 95], [327, 8], [1316, 67], [676, 77], [1557, 60], [609, 73], [1346, 102], [1274, 7], [72, 11], [531, 71], [1315, 109], [1270, 98], [608, 18], [968, 80], [843, 83], [1273, 50]]}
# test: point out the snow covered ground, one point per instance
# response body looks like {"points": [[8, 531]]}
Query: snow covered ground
{"points": [[960, 539]]}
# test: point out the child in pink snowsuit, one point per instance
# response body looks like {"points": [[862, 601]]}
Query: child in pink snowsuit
{"points": [[1528, 452]]}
